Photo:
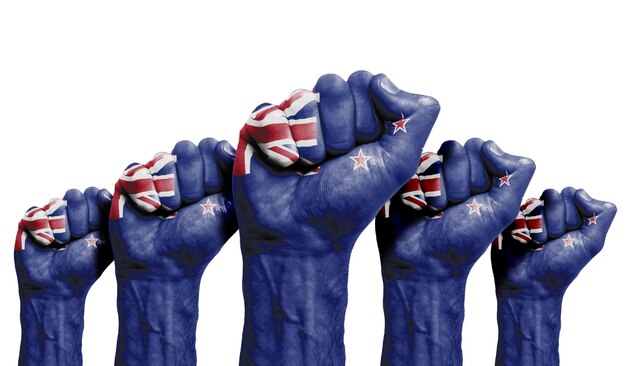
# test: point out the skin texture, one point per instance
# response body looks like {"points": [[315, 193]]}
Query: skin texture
{"points": [[427, 252], [298, 224], [169, 218], [531, 275], [61, 249]]}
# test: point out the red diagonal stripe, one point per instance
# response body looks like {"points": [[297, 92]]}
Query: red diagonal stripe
{"points": [[269, 133], [261, 115], [284, 152]]}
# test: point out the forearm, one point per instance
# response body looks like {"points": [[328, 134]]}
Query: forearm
{"points": [[528, 331], [295, 309], [52, 331], [423, 321], [157, 322]]}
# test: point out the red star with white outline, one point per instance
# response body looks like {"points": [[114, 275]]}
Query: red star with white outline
{"points": [[360, 161], [505, 180], [593, 220], [208, 207], [400, 125], [568, 242], [92, 241], [474, 207]]}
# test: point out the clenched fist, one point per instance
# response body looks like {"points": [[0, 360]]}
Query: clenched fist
{"points": [[169, 218], [61, 249], [534, 261], [309, 176], [430, 235]]}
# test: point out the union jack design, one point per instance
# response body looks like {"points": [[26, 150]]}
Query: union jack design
{"points": [[519, 229], [529, 221], [44, 224], [533, 212], [284, 132], [426, 182], [150, 186]]}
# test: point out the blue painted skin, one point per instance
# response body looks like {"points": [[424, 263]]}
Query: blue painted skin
{"points": [[530, 284], [297, 232], [425, 261], [53, 284], [160, 261]]}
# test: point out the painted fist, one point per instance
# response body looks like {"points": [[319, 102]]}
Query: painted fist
{"points": [[172, 215], [62, 248]]}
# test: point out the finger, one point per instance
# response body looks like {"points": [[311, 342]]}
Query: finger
{"points": [[336, 113], [213, 179], [411, 117], [95, 220], [189, 171], [479, 180], [597, 218], [572, 218], [411, 195], [225, 155], [268, 128], [163, 169], [35, 222], [429, 173], [455, 171], [301, 110], [77, 213], [553, 213], [532, 210], [511, 173], [519, 229], [136, 182], [56, 211], [367, 127]]}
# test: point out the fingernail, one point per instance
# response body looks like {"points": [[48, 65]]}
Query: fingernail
{"points": [[584, 195], [229, 150], [106, 194], [387, 85], [496, 149]]}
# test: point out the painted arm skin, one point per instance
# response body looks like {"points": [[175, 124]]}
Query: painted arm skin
{"points": [[303, 194], [61, 249], [169, 218], [430, 235], [534, 262]]}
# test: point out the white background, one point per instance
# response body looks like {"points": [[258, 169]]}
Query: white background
{"points": [[88, 87]]}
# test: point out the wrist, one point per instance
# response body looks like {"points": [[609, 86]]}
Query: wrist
{"points": [[52, 329], [423, 320], [295, 307], [528, 330], [157, 321]]}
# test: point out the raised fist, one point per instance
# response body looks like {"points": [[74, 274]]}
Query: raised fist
{"points": [[61, 249], [534, 261], [169, 218], [430, 235], [549, 243], [309, 176]]}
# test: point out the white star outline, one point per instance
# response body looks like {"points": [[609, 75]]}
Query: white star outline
{"points": [[360, 160], [92, 241], [208, 207], [474, 207], [505, 180], [400, 125], [568, 242]]}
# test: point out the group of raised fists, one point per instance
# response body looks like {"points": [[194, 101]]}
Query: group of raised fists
{"points": [[308, 175]]}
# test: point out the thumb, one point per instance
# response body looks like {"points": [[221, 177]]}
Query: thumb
{"points": [[511, 176], [410, 119]]}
